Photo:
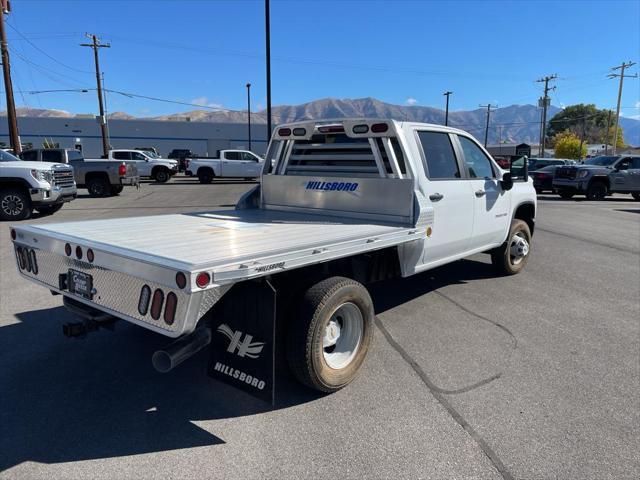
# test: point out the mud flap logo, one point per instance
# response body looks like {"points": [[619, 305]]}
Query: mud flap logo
{"points": [[245, 348], [236, 357]]}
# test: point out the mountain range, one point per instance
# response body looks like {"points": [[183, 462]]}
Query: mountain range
{"points": [[515, 123]]}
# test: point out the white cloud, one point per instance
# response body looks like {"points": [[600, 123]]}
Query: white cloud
{"points": [[204, 101], [637, 105], [411, 101]]}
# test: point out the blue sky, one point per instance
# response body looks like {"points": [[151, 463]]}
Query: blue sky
{"points": [[400, 52]]}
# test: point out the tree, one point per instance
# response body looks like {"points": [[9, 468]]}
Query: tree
{"points": [[567, 145], [595, 124]]}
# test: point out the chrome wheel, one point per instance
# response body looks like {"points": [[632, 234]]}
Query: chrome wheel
{"points": [[518, 248], [12, 205], [342, 336]]}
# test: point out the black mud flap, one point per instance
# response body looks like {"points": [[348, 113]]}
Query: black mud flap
{"points": [[243, 345]]}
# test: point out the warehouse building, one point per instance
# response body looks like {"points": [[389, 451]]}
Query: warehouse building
{"points": [[83, 134]]}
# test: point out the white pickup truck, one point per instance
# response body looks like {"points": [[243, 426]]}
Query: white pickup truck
{"points": [[148, 163], [341, 204], [228, 163]]}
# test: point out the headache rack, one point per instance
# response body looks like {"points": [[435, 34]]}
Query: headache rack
{"points": [[337, 148]]}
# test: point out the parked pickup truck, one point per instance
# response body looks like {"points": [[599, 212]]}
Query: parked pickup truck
{"points": [[25, 186], [99, 177], [228, 163], [345, 204], [600, 176], [149, 164]]}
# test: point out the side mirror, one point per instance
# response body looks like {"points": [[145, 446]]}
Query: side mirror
{"points": [[507, 181]]}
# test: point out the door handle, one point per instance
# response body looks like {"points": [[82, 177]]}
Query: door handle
{"points": [[436, 197], [480, 193]]}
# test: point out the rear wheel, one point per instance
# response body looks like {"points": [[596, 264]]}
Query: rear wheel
{"points": [[512, 256], [597, 191], [98, 187], [331, 334], [205, 175], [49, 209], [15, 204]]}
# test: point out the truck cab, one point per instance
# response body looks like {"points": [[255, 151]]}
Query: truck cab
{"points": [[227, 163], [149, 164]]}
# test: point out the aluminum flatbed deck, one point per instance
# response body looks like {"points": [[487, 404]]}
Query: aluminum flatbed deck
{"points": [[232, 244]]}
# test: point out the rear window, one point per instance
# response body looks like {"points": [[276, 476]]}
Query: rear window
{"points": [[439, 155], [332, 154], [51, 156]]}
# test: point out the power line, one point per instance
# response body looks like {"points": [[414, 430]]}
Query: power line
{"points": [[45, 53]]}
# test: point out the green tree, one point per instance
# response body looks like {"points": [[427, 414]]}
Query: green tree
{"points": [[567, 145], [595, 124]]}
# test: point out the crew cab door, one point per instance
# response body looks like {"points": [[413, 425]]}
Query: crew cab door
{"points": [[143, 164], [491, 204], [625, 177], [448, 193], [252, 164], [231, 164]]}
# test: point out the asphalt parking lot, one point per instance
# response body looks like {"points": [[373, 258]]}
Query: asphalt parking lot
{"points": [[471, 375]]}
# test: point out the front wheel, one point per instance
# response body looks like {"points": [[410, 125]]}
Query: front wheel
{"points": [[49, 209], [331, 333], [15, 204], [162, 176], [597, 191], [512, 256]]}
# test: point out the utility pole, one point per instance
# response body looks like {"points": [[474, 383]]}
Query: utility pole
{"points": [[446, 112], [267, 22], [95, 45], [249, 112], [622, 76], [14, 137], [486, 129], [606, 140], [545, 104]]}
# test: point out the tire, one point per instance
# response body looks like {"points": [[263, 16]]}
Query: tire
{"points": [[98, 187], [116, 189], [15, 204], [597, 191], [566, 194], [512, 256], [636, 196], [205, 175], [49, 209], [337, 310], [162, 175]]}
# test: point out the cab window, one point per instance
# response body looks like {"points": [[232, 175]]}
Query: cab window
{"points": [[54, 156], [477, 162], [232, 156], [122, 155], [439, 155], [249, 156], [138, 156], [29, 156]]}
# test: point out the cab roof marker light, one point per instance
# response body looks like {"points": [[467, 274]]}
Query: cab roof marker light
{"points": [[284, 132], [379, 127], [359, 129], [299, 132]]}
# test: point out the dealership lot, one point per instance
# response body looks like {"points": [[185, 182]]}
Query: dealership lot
{"points": [[471, 375]]}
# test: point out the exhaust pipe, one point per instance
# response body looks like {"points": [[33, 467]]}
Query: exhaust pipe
{"points": [[177, 352]]}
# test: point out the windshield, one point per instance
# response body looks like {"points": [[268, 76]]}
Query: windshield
{"points": [[150, 153], [602, 161], [7, 157]]}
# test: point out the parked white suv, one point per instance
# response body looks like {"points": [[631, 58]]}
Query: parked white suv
{"points": [[25, 186], [149, 164]]}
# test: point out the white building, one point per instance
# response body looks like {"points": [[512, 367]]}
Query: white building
{"points": [[84, 134]]}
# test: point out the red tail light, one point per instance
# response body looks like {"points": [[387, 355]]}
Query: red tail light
{"points": [[203, 279], [156, 304], [90, 255], [181, 280], [122, 170], [78, 252], [379, 127], [542, 176], [170, 308], [67, 249]]}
